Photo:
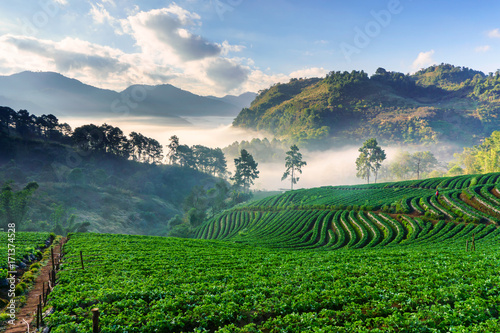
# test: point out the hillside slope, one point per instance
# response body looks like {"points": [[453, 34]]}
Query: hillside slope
{"points": [[114, 194], [361, 216], [438, 104]]}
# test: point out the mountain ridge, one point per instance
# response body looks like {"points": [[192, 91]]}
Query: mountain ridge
{"points": [[51, 92]]}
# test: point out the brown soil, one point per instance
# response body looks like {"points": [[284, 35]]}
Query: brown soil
{"points": [[27, 312]]}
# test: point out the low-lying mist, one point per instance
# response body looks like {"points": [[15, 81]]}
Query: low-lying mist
{"points": [[331, 167]]}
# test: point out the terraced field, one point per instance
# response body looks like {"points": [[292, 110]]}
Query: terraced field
{"points": [[361, 216]]}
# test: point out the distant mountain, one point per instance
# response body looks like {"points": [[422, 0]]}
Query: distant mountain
{"points": [[241, 101], [48, 92], [442, 103]]}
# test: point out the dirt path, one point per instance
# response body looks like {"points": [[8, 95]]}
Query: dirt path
{"points": [[27, 312]]}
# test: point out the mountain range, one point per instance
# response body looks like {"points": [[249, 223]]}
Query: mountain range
{"points": [[49, 92]]}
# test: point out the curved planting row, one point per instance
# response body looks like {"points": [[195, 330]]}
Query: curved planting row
{"points": [[362, 216], [327, 229]]}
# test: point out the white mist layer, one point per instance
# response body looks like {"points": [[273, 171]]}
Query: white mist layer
{"points": [[332, 167]]}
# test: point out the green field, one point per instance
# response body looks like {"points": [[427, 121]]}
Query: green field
{"points": [[20, 246], [361, 216], [154, 284], [372, 258]]}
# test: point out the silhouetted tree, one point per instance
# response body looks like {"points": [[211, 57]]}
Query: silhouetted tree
{"points": [[293, 163], [246, 170]]}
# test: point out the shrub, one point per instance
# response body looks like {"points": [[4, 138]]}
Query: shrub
{"points": [[20, 288]]}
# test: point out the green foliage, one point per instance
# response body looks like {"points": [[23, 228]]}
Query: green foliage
{"points": [[484, 158], [370, 159], [262, 150], [110, 196], [293, 164], [246, 171], [437, 104], [196, 285], [14, 205]]}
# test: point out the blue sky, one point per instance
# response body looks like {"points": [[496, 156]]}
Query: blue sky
{"points": [[223, 47]]}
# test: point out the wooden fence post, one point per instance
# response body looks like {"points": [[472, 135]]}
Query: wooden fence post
{"points": [[466, 245], [52, 254], [38, 316], [95, 320], [81, 259], [41, 309]]}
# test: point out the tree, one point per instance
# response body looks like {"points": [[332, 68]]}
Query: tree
{"points": [[14, 205], [7, 117], [173, 146], [138, 142], [293, 163], [218, 164], [88, 137], [402, 166], [246, 170], [363, 167], [370, 159], [185, 156], [423, 161]]}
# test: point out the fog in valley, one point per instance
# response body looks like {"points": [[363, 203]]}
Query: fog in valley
{"points": [[335, 166]]}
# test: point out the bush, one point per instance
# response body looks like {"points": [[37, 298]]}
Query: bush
{"points": [[28, 276], [21, 288]]}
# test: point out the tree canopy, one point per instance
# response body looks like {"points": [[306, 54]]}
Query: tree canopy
{"points": [[293, 164], [369, 160], [246, 170], [14, 204]]}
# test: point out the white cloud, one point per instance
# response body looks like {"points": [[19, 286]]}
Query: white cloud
{"points": [[258, 80], [309, 72], [423, 60], [482, 49], [167, 51], [495, 33], [226, 73], [164, 31], [226, 48], [100, 14], [72, 57], [61, 2]]}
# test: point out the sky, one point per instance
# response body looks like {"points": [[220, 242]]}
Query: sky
{"points": [[219, 47]]}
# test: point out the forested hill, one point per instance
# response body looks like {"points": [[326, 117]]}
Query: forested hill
{"points": [[438, 104], [97, 177]]}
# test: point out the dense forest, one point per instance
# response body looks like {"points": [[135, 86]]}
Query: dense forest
{"points": [[439, 104], [98, 177]]}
